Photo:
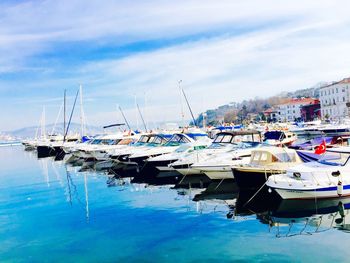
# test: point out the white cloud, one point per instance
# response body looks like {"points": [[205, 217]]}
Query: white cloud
{"points": [[260, 48]]}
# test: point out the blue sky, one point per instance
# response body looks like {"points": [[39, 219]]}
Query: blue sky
{"points": [[223, 51]]}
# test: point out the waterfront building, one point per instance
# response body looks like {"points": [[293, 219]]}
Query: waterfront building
{"points": [[335, 100], [291, 110], [311, 112], [271, 114]]}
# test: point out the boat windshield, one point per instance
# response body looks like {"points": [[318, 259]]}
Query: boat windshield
{"points": [[230, 138], [157, 140], [274, 135], [223, 138], [216, 145], [106, 141], [144, 139], [197, 136], [245, 145], [176, 140], [285, 157], [125, 141], [182, 148], [96, 141], [333, 158]]}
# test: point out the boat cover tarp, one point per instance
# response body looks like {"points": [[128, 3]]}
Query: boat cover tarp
{"points": [[308, 156], [310, 144]]}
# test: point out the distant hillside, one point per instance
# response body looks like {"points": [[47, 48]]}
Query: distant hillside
{"points": [[29, 132], [238, 111]]}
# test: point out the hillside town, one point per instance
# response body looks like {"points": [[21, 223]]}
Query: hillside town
{"points": [[328, 102]]}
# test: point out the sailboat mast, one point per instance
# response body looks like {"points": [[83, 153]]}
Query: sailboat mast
{"points": [[71, 115], [64, 114], [82, 118], [143, 121], [189, 107], [182, 106], [127, 124], [137, 119], [43, 127]]}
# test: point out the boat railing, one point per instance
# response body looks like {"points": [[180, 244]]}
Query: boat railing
{"points": [[300, 180]]}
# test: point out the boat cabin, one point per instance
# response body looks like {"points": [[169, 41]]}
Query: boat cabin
{"points": [[272, 155], [181, 138], [250, 138], [153, 139]]}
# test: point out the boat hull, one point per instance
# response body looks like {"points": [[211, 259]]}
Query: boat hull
{"points": [[252, 178], [215, 172], [44, 151], [317, 193]]}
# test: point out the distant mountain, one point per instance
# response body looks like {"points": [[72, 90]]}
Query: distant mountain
{"points": [[29, 132]]}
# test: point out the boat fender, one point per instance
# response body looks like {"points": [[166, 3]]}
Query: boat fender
{"points": [[296, 174], [269, 190], [336, 173], [340, 188]]}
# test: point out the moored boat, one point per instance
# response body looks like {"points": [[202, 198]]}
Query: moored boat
{"points": [[326, 178], [264, 162]]}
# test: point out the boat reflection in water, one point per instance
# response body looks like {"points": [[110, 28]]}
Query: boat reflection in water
{"points": [[218, 195], [307, 217]]}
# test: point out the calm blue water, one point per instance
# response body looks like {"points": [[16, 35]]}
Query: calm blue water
{"points": [[53, 213]]}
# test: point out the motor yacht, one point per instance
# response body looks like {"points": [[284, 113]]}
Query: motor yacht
{"points": [[166, 159], [219, 167], [279, 138], [224, 142], [118, 157], [326, 178], [264, 162], [174, 142]]}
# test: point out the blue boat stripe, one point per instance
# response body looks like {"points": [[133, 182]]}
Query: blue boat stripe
{"points": [[332, 188]]}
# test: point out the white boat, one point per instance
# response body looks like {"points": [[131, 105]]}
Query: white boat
{"points": [[188, 148], [146, 141], [102, 153], [325, 178], [308, 129], [30, 145], [264, 162], [117, 157], [279, 138], [82, 150], [174, 142], [224, 142], [219, 167]]}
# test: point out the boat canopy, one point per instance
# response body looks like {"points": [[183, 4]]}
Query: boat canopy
{"points": [[237, 136], [225, 128], [268, 155], [153, 139], [177, 139], [310, 144]]}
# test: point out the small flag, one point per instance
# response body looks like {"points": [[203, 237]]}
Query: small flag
{"points": [[321, 148]]}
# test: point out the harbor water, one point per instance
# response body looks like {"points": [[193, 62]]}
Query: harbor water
{"points": [[50, 212]]}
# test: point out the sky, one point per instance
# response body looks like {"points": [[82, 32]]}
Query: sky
{"points": [[127, 51]]}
